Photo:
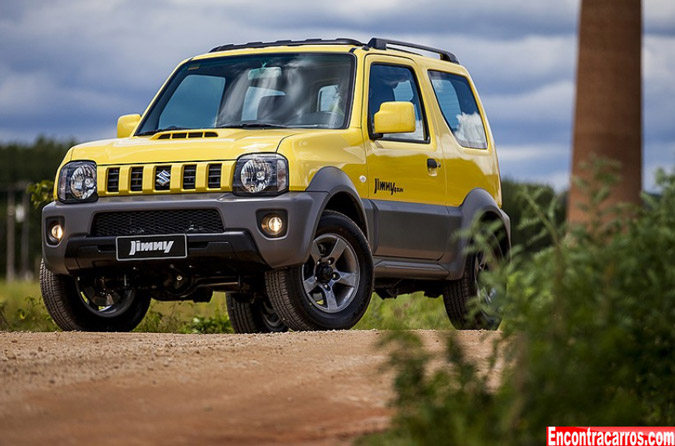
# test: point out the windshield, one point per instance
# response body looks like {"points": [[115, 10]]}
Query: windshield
{"points": [[295, 90]]}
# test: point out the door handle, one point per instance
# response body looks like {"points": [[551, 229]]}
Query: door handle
{"points": [[433, 164]]}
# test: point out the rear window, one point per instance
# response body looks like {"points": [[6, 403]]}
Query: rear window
{"points": [[459, 109]]}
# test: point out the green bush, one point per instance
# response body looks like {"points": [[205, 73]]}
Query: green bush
{"points": [[526, 230], [588, 339]]}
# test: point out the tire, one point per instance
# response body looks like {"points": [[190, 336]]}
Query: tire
{"points": [[63, 297], [332, 290], [459, 294], [250, 315]]}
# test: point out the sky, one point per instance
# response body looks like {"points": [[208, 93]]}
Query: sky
{"points": [[69, 68]]}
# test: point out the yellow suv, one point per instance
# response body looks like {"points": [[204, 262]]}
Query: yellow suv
{"points": [[297, 176]]}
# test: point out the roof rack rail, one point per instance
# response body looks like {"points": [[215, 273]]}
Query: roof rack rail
{"points": [[338, 41], [381, 44]]}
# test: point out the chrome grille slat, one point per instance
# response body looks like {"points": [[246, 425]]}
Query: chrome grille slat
{"points": [[113, 182], [189, 176], [214, 176], [136, 178]]}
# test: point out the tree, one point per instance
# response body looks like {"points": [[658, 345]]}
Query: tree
{"points": [[608, 115]]}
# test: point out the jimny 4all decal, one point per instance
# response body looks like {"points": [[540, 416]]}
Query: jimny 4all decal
{"points": [[386, 186]]}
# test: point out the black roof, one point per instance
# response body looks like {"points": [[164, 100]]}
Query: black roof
{"points": [[377, 43]]}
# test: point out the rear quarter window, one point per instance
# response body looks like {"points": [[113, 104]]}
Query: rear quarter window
{"points": [[459, 108]]}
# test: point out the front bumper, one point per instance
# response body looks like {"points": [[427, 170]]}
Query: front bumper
{"points": [[241, 246]]}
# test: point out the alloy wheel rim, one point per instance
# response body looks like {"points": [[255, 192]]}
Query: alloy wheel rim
{"points": [[270, 318], [104, 302], [486, 294], [331, 277]]}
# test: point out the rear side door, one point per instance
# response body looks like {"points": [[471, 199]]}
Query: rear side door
{"points": [[406, 178], [464, 134]]}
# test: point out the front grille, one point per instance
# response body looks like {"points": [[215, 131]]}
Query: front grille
{"points": [[179, 177], [214, 176], [114, 179], [187, 221], [189, 176], [136, 179]]}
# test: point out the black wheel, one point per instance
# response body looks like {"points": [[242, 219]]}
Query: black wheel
{"points": [[249, 314], [91, 304], [458, 294], [332, 290]]}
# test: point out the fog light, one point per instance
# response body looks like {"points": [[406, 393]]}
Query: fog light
{"points": [[273, 224], [56, 232]]}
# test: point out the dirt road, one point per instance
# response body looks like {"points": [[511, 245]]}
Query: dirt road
{"points": [[102, 389]]}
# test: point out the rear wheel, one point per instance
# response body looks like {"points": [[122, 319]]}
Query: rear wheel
{"points": [[459, 294], [92, 303], [332, 289], [249, 314]]}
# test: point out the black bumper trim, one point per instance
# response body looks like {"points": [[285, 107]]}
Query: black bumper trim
{"points": [[236, 248]]}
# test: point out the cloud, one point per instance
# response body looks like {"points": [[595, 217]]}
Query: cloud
{"points": [[71, 67], [659, 17], [658, 86], [490, 18], [531, 152], [540, 115]]}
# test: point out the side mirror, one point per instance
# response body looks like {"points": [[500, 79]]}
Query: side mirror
{"points": [[126, 125], [394, 117]]}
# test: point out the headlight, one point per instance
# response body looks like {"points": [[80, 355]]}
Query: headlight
{"points": [[77, 182], [261, 174]]}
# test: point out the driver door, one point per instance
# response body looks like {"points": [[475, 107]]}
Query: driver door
{"points": [[406, 178]]}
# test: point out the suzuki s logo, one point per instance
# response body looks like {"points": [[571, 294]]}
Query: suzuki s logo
{"points": [[163, 177], [161, 246]]}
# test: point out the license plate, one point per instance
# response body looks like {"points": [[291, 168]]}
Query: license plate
{"points": [[173, 246]]}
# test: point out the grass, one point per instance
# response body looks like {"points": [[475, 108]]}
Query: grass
{"points": [[406, 312], [22, 309]]}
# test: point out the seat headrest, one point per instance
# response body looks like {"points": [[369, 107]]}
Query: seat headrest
{"points": [[271, 106]]}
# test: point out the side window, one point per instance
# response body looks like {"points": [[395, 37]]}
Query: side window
{"points": [[459, 108], [395, 83], [195, 103]]}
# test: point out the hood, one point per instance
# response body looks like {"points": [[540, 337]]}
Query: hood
{"points": [[181, 146]]}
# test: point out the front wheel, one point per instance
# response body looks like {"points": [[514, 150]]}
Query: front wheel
{"points": [[91, 304], [332, 290]]}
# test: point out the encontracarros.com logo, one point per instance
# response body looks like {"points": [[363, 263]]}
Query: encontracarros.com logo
{"points": [[160, 246], [610, 436]]}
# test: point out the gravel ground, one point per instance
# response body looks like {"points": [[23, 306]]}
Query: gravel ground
{"points": [[309, 388]]}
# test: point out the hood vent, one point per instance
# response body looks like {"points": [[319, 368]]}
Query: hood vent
{"points": [[186, 135]]}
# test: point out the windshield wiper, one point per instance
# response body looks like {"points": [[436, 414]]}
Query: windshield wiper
{"points": [[166, 129], [252, 125]]}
